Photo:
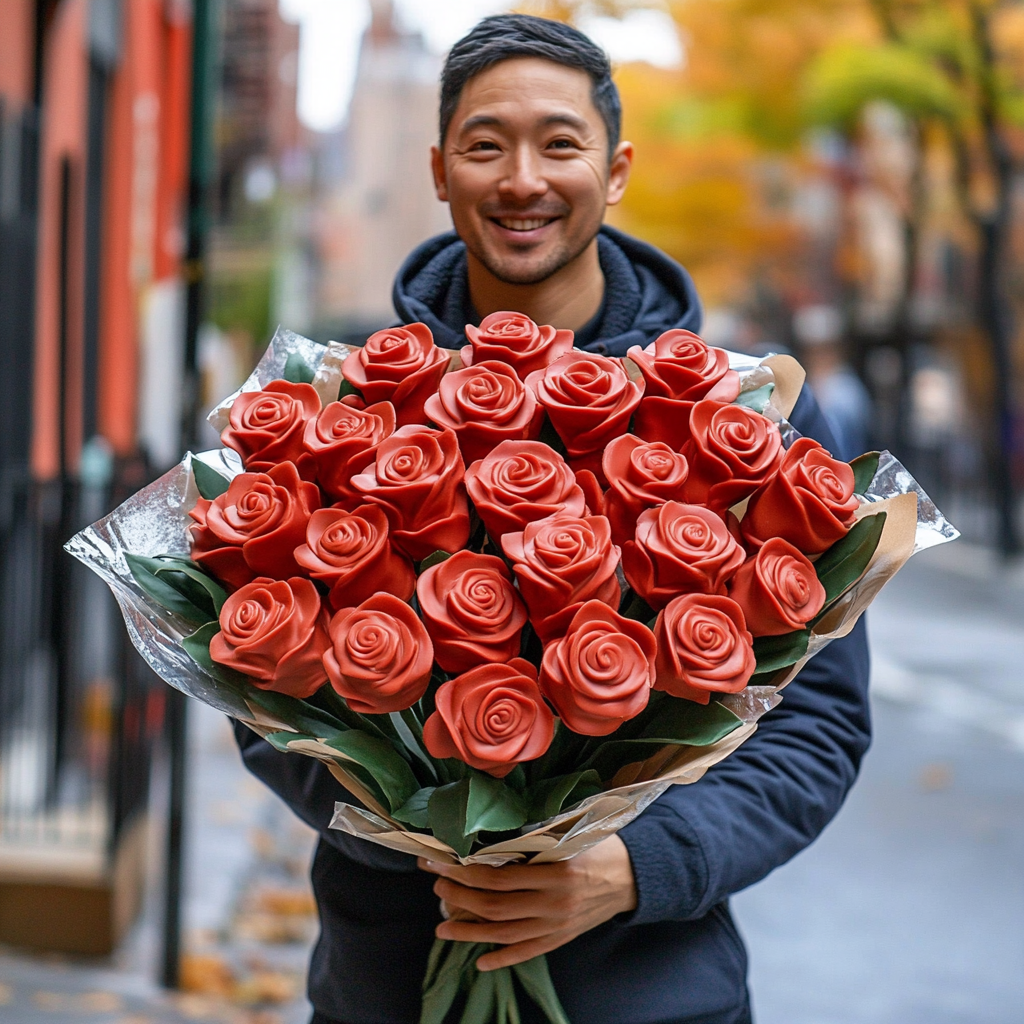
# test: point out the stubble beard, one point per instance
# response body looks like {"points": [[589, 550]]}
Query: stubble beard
{"points": [[513, 272]]}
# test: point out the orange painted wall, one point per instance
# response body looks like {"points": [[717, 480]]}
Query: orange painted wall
{"points": [[16, 41], [145, 172], [65, 89]]}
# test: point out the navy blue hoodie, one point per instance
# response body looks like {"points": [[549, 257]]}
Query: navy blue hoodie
{"points": [[678, 957]]}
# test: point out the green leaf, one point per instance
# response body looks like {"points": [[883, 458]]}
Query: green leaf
{"points": [[505, 996], [533, 975], [696, 726], [382, 761], [204, 591], [480, 1002], [144, 571], [550, 796], [685, 721], [864, 469], [297, 370], [410, 732], [208, 481], [844, 563], [348, 388], [436, 558], [492, 806], [414, 810], [775, 652], [446, 966], [446, 809], [636, 608], [757, 399]]}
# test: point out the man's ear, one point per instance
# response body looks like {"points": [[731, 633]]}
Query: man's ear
{"points": [[618, 172], [437, 168]]}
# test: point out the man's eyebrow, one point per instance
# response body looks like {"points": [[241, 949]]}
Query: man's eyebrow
{"points": [[493, 121]]}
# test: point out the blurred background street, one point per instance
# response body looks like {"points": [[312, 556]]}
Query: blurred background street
{"points": [[843, 178]]}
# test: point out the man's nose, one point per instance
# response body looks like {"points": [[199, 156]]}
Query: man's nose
{"points": [[524, 179]]}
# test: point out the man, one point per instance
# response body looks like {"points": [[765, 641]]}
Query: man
{"points": [[638, 929]]}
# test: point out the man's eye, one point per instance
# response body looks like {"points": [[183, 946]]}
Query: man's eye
{"points": [[561, 144], [483, 146]]}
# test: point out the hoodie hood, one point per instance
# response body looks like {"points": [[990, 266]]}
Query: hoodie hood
{"points": [[646, 293]]}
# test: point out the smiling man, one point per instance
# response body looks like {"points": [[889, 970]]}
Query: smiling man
{"points": [[637, 929]]}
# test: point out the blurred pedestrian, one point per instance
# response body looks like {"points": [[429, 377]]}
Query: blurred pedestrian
{"points": [[840, 392]]}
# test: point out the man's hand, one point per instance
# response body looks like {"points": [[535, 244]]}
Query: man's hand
{"points": [[533, 908]]}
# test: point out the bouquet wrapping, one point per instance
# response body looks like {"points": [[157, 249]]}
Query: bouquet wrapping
{"points": [[507, 596]]}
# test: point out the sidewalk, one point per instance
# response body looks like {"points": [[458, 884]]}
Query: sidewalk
{"points": [[249, 918]]}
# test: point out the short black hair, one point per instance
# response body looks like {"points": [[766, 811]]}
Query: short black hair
{"points": [[506, 36]]}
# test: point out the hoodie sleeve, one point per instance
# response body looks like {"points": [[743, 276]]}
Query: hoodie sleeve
{"points": [[752, 812]]}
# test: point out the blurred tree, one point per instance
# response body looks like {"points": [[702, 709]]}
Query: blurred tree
{"points": [[952, 65]]}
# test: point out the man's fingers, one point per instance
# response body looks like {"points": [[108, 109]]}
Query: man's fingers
{"points": [[504, 879], [495, 906], [502, 932], [520, 952]]}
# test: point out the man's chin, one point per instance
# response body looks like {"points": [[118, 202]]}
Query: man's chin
{"points": [[525, 269]]}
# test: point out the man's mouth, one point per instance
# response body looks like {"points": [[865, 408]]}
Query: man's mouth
{"points": [[523, 223]]}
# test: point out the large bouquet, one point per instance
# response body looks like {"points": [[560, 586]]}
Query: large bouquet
{"points": [[509, 595]]}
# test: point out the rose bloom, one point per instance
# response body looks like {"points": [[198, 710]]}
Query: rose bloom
{"points": [[417, 480], [379, 658], [680, 549], [492, 718], [732, 451], [703, 646], [275, 631], [350, 553], [342, 441], [522, 482], [253, 528], [777, 589], [640, 475], [471, 610], [589, 400], [400, 365], [266, 427], [679, 369], [514, 339], [599, 674], [810, 502], [485, 404], [560, 563]]}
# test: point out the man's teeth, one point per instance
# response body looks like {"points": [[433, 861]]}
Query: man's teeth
{"points": [[523, 225]]}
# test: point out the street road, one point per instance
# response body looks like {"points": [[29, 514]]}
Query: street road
{"points": [[910, 908]]}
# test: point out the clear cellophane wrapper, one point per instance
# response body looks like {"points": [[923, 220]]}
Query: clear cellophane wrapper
{"points": [[155, 521]]}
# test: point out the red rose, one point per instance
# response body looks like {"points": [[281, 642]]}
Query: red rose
{"points": [[266, 427], [254, 527], [703, 645], [349, 551], [679, 369], [640, 475], [514, 339], [471, 610], [521, 482], [492, 718], [589, 400], [777, 589], [400, 365], [380, 657], [732, 451], [810, 502], [560, 563], [342, 441], [276, 632], [417, 481], [680, 549], [599, 674], [485, 405]]}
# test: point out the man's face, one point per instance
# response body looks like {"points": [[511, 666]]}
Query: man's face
{"points": [[525, 168]]}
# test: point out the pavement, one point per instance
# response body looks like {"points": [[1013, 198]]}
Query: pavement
{"points": [[909, 909]]}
